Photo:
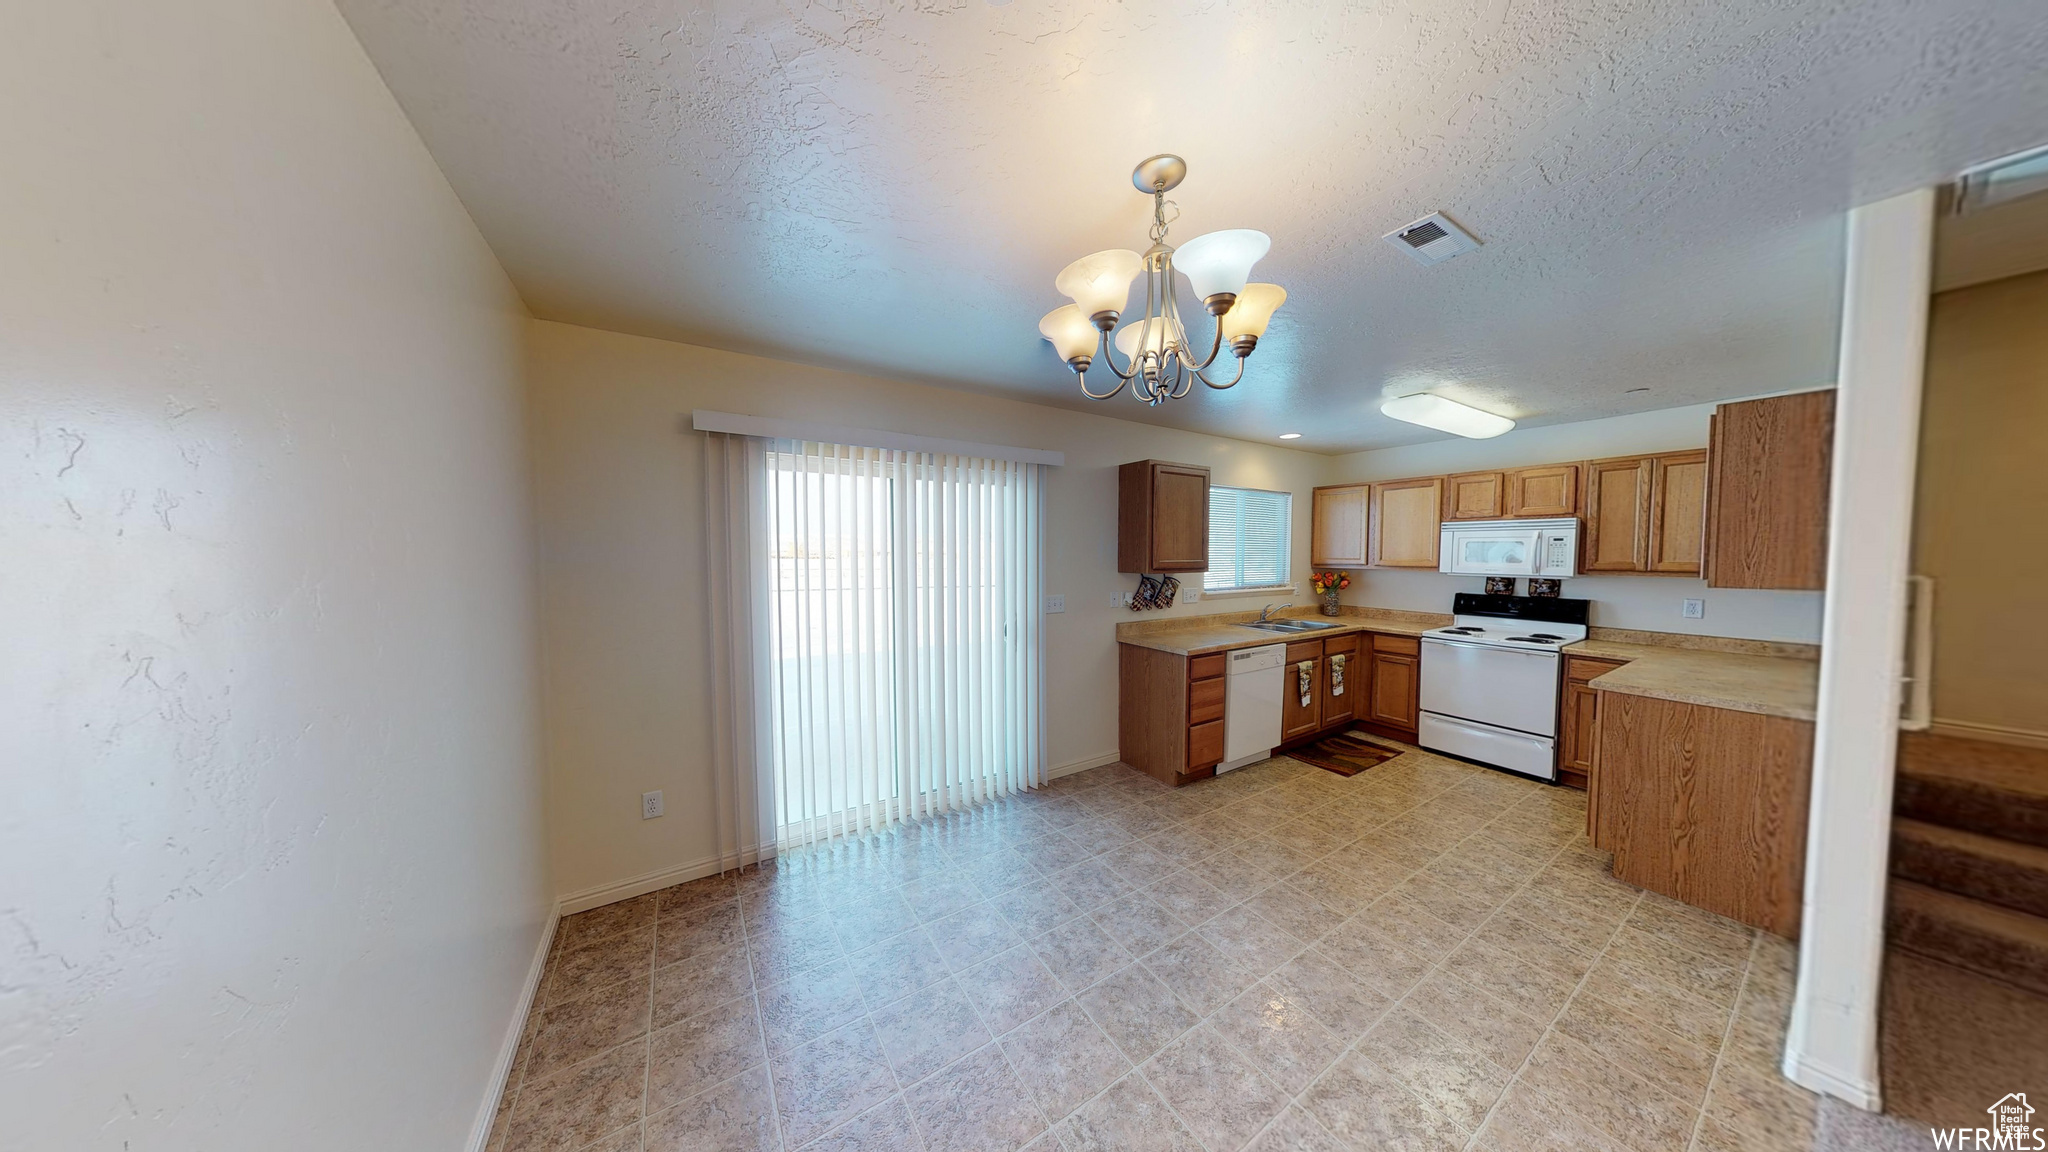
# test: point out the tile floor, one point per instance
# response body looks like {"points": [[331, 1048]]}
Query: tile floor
{"points": [[1425, 956]]}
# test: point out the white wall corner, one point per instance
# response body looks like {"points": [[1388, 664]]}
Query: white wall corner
{"points": [[1831, 1043], [508, 1050]]}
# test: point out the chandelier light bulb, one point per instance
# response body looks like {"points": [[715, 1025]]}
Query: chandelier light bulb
{"points": [[1156, 335], [1073, 335], [1100, 282], [1221, 262], [1253, 311], [1446, 415]]}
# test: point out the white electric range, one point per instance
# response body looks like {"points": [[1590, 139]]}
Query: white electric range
{"points": [[1490, 680]]}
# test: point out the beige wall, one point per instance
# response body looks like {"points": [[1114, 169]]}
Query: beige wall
{"points": [[1978, 527], [1652, 603], [619, 481], [271, 862], [618, 478]]}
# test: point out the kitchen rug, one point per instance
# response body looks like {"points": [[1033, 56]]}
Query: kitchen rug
{"points": [[1345, 754]]}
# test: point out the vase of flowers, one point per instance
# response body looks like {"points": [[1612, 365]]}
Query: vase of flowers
{"points": [[1327, 585]]}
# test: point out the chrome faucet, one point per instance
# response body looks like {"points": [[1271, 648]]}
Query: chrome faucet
{"points": [[1265, 614]]}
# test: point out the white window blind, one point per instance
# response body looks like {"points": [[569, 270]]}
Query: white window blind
{"points": [[905, 635], [1248, 539]]}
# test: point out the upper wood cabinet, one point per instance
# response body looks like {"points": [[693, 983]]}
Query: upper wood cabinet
{"points": [[1678, 513], [1162, 520], [1767, 523], [1644, 514], [1403, 521], [1337, 526], [1616, 535], [1552, 490], [1475, 496]]}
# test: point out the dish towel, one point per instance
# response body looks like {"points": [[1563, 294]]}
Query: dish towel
{"points": [[1305, 675], [1337, 675]]}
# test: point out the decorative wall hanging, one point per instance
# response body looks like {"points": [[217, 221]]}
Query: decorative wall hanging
{"points": [[1154, 592]]}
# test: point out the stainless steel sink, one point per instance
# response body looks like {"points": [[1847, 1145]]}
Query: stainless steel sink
{"points": [[1290, 626]]}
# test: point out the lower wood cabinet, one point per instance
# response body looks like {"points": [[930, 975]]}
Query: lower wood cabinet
{"points": [[1341, 676], [1706, 805], [1396, 694], [1170, 709], [1301, 712], [1579, 720], [1170, 712]]}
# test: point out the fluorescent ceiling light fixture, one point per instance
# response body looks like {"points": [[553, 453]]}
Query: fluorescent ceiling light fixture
{"points": [[1290, 435], [1444, 415]]}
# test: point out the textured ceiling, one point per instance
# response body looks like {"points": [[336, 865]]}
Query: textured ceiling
{"points": [[890, 187]]}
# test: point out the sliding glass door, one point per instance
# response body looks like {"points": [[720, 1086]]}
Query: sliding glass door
{"points": [[906, 642]]}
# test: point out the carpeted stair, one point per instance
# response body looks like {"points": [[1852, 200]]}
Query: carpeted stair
{"points": [[1970, 857]]}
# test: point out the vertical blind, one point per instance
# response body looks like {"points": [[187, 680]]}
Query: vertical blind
{"points": [[1248, 538], [906, 674]]}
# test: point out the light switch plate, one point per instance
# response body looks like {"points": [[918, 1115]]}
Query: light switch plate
{"points": [[1055, 603], [1694, 610]]}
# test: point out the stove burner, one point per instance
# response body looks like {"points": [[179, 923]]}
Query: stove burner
{"points": [[1462, 631], [1534, 639], [1545, 636]]}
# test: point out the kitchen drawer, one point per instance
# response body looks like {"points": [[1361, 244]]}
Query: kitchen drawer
{"points": [[1584, 668], [1405, 645], [1205, 701], [1346, 645], [1203, 667], [1304, 650], [1205, 744]]}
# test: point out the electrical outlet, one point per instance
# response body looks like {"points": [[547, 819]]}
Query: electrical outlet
{"points": [[1694, 610], [1119, 599], [1190, 595], [650, 804], [1055, 603]]}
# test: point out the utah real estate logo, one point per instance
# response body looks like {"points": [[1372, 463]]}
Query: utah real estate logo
{"points": [[2011, 1127]]}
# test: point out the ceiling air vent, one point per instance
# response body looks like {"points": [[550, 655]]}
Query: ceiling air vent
{"points": [[1432, 239]]}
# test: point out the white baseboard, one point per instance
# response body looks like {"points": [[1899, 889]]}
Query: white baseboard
{"points": [[1862, 1093], [602, 894], [508, 1051], [1083, 764], [1995, 733], [640, 885]]}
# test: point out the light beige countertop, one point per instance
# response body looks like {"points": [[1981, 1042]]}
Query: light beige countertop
{"points": [[1764, 677], [1738, 681], [1198, 635]]}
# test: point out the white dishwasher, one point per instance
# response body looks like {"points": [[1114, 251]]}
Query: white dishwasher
{"points": [[1251, 705]]}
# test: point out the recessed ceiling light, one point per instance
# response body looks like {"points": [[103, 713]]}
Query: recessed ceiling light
{"points": [[1446, 415], [1290, 435]]}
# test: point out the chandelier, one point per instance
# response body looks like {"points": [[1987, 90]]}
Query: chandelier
{"points": [[1163, 364]]}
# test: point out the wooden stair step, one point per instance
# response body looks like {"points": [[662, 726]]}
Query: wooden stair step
{"points": [[1996, 790], [1992, 941], [2007, 873]]}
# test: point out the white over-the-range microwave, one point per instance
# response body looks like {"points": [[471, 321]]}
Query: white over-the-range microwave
{"points": [[1547, 548]]}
